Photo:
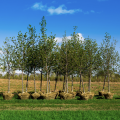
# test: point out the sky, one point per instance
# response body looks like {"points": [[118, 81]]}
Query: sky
{"points": [[93, 18]]}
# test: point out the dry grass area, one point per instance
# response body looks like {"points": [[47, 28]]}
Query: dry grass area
{"points": [[16, 85]]}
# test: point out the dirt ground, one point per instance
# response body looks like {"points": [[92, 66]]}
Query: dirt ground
{"points": [[16, 85]]}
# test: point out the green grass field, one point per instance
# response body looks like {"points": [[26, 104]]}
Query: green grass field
{"points": [[97, 108]]}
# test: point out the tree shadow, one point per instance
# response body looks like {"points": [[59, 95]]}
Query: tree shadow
{"points": [[117, 97], [99, 97]]}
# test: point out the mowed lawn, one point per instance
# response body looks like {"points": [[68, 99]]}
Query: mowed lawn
{"points": [[96, 109]]}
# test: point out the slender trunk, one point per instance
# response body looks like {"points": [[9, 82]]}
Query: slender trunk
{"points": [[89, 80], [72, 83], [34, 81], [82, 84], [9, 79], [41, 82], [27, 82], [64, 85], [49, 83], [22, 82], [47, 75], [66, 71], [56, 79], [108, 83], [80, 81], [90, 83], [104, 83]]}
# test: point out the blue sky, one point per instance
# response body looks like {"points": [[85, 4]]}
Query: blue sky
{"points": [[93, 18]]}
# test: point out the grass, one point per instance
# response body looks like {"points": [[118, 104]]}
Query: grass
{"points": [[94, 109], [61, 115]]}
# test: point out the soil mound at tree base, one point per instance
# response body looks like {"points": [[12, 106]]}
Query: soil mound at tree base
{"points": [[24, 96], [108, 95], [7, 96]]}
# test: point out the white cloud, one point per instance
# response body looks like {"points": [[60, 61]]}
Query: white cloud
{"points": [[60, 10], [1, 52], [59, 39], [39, 6]]}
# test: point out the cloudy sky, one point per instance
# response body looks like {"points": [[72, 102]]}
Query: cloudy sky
{"points": [[93, 17]]}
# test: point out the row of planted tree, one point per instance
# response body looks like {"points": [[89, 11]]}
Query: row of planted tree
{"points": [[73, 57]]}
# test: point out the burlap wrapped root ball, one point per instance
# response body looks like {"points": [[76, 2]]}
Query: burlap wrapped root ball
{"points": [[101, 93], [62, 95], [73, 93], [78, 93], [90, 95], [24, 96], [108, 95], [66, 96], [84, 96], [40, 92], [35, 95], [7, 96], [48, 96], [56, 94]]}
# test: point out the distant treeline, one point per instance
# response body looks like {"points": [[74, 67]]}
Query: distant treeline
{"points": [[116, 78]]}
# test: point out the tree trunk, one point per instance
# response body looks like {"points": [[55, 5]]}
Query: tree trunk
{"points": [[9, 80], [104, 83], [80, 81], [27, 83], [72, 83], [64, 86], [41, 82], [34, 81], [49, 84], [56, 79], [82, 84], [108, 83], [67, 84], [22, 83], [89, 80]]}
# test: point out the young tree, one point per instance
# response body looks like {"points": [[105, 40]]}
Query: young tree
{"points": [[7, 59], [47, 45], [28, 65], [93, 59], [19, 50], [33, 51], [78, 54], [110, 57], [66, 57]]}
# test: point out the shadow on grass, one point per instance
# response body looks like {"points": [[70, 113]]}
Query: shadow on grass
{"points": [[99, 97]]}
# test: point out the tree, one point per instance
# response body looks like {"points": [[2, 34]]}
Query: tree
{"points": [[109, 57], [28, 66], [93, 59], [65, 61], [19, 50], [56, 64], [47, 46], [33, 51], [7, 59], [78, 53]]}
